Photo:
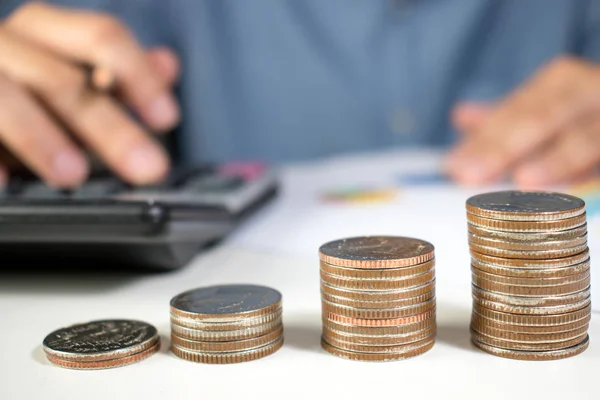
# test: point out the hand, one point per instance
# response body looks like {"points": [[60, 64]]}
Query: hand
{"points": [[45, 93], [547, 132]]}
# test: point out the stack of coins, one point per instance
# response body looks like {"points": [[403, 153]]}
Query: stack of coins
{"points": [[226, 324], [101, 344], [531, 274], [378, 297]]}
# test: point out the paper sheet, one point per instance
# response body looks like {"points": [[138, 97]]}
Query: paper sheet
{"points": [[432, 209]]}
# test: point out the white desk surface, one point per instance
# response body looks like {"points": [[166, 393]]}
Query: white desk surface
{"points": [[278, 248]]}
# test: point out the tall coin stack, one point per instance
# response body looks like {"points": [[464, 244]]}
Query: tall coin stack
{"points": [[378, 297], [531, 274], [226, 324]]}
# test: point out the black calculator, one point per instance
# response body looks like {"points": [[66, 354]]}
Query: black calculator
{"points": [[107, 221]]}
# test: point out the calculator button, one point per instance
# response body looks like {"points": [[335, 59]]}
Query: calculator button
{"points": [[182, 175], [99, 188], [213, 184], [39, 190]]}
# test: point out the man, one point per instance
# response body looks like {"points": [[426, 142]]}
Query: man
{"points": [[282, 80]]}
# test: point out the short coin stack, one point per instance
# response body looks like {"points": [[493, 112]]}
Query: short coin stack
{"points": [[378, 297], [531, 274], [226, 324], [101, 344]]}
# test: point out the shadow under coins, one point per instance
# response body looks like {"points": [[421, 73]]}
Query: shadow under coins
{"points": [[303, 333], [39, 356], [165, 344], [455, 335], [453, 327]]}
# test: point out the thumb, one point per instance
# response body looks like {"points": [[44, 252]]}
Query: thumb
{"points": [[468, 116]]}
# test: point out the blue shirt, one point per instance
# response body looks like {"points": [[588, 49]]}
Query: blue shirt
{"points": [[294, 79]]}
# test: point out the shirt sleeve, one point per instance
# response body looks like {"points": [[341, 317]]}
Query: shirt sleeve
{"points": [[589, 44], [8, 6]]}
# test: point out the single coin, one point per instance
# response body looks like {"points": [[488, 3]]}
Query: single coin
{"points": [[551, 310], [223, 336], [379, 295], [525, 206], [533, 264], [533, 237], [378, 279], [378, 331], [373, 285], [505, 344], [333, 337], [383, 313], [534, 355], [528, 254], [531, 272], [532, 320], [520, 301], [379, 322], [227, 358], [359, 356], [374, 349], [528, 245], [527, 281], [531, 291], [72, 363], [226, 303], [345, 301], [100, 340], [529, 337], [481, 321], [229, 346], [377, 274], [527, 226], [376, 252], [242, 323]]}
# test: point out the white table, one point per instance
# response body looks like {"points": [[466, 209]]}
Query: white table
{"points": [[278, 248]]}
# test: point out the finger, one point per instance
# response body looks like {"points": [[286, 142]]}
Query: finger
{"points": [[525, 121], [3, 175], [101, 40], [95, 118], [574, 153], [119, 141], [166, 64], [31, 135], [468, 116]]}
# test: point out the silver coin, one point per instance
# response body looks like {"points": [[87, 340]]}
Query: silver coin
{"points": [[520, 301], [373, 248], [527, 245], [526, 206], [558, 252], [529, 310], [531, 272], [225, 300], [528, 237], [101, 340]]}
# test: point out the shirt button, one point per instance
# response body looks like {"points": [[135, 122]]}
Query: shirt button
{"points": [[402, 122]]}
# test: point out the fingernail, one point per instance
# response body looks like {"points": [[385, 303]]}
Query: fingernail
{"points": [[147, 163], [163, 112], [70, 167]]}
